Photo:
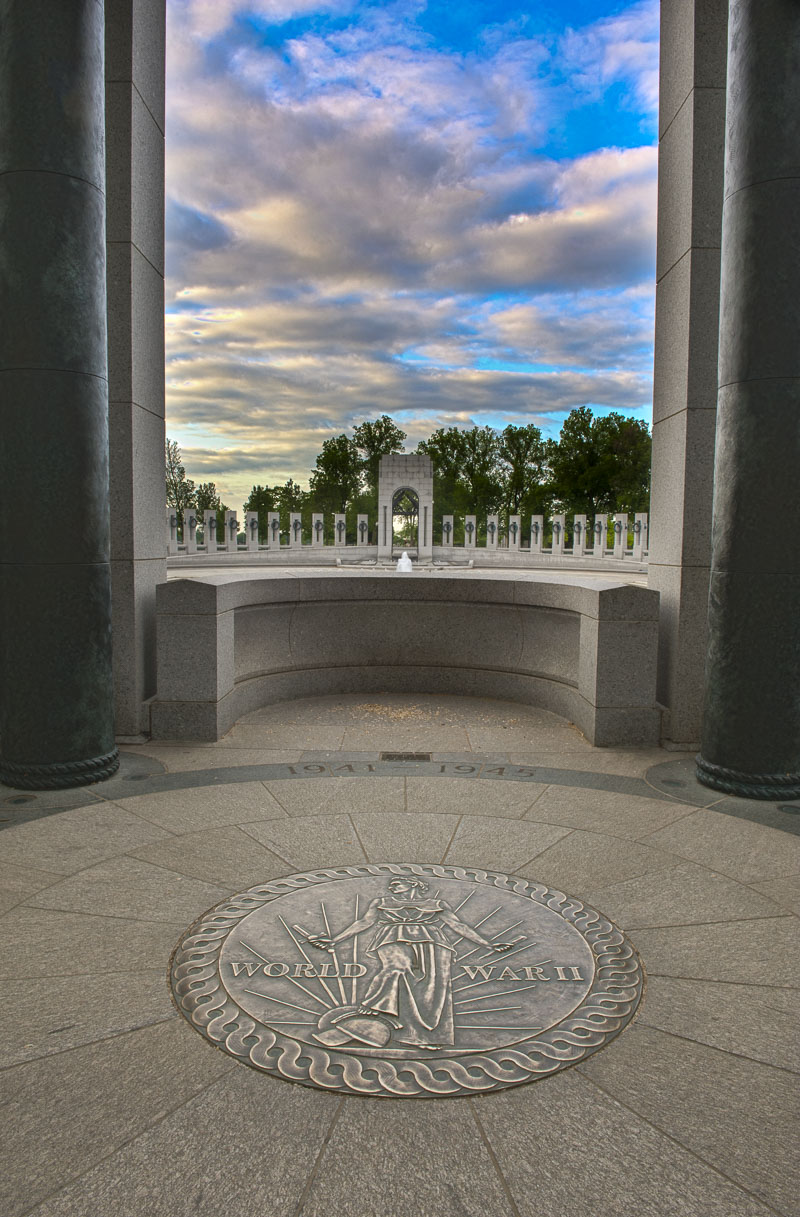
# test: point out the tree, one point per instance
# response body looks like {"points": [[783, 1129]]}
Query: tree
{"points": [[180, 489], [207, 499], [374, 440], [337, 477], [522, 456], [480, 470], [261, 499], [600, 464]]}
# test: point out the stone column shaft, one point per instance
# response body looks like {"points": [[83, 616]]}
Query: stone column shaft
{"points": [[690, 177], [135, 31], [56, 719], [751, 727]]}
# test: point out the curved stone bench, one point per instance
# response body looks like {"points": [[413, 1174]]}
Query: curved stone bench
{"points": [[583, 648]]}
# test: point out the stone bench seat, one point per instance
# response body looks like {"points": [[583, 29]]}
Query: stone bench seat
{"points": [[582, 648]]}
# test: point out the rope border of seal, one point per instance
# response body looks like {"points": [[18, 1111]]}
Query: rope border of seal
{"points": [[767, 787], [61, 774]]}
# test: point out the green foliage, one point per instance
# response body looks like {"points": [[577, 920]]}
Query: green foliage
{"points": [[261, 499], [522, 456], [207, 499], [600, 464], [337, 477], [596, 465], [180, 489], [374, 440]]}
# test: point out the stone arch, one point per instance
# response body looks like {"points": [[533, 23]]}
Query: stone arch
{"points": [[411, 473]]}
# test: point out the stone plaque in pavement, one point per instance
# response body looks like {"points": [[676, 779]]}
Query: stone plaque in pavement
{"points": [[406, 980]]}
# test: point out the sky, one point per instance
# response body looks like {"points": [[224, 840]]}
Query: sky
{"points": [[440, 211]]}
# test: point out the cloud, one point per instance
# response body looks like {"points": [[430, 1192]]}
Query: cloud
{"points": [[622, 48], [361, 220]]}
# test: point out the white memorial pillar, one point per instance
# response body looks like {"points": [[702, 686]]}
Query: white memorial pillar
{"points": [[210, 531], [537, 534], [362, 530], [273, 529], [251, 530], [470, 532], [600, 535], [339, 530], [447, 531], [492, 531], [640, 536], [579, 537], [172, 530], [231, 531], [620, 535], [190, 530], [557, 548], [514, 532]]}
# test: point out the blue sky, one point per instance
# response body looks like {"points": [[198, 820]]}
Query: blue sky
{"points": [[444, 212]]}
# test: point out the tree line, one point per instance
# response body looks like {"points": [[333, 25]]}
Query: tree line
{"points": [[597, 464]]}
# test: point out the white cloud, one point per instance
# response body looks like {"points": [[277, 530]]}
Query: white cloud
{"points": [[359, 223]]}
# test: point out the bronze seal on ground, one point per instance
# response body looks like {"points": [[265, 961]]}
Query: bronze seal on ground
{"points": [[406, 980]]}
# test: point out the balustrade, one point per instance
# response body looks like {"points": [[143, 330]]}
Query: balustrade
{"points": [[605, 537]]}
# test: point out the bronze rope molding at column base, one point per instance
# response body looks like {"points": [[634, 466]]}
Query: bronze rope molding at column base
{"points": [[767, 786], [61, 774]]}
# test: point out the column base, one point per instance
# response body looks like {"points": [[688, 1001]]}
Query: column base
{"points": [[769, 787], [59, 775]]}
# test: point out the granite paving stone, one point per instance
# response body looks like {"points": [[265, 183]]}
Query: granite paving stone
{"points": [[403, 738], [64, 1114], [228, 857], [785, 892], [407, 1159], [129, 887], [749, 1020], [633, 762], [531, 738], [761, 952], [71, 840], [54, 1013], [17, 882], [568, 1150], [185, 1165], [311, 841], [180, 759], [49, 942], [184, 811], [466, 796], [584, 861], [679, 895], [273, 736], [745, 851], [331, 795], [622, 815], [751, 1137], [503, 846], [398, 837]]}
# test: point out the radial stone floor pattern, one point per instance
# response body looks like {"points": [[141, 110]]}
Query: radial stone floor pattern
{"points": [[114, 1103]]}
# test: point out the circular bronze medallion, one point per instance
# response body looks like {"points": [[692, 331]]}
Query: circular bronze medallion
{"points": [[406, 980]]}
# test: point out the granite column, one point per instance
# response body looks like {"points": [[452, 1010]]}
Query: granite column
{"points": [[751, 727], [56, 715]]}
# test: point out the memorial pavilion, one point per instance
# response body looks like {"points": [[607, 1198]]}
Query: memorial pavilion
{"points": [[116, 842]]}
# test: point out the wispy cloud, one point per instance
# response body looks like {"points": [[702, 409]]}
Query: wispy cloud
{"points": [[363, 218]]}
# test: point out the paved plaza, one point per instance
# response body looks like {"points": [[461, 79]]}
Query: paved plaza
{"points": [[113, 1104]]}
